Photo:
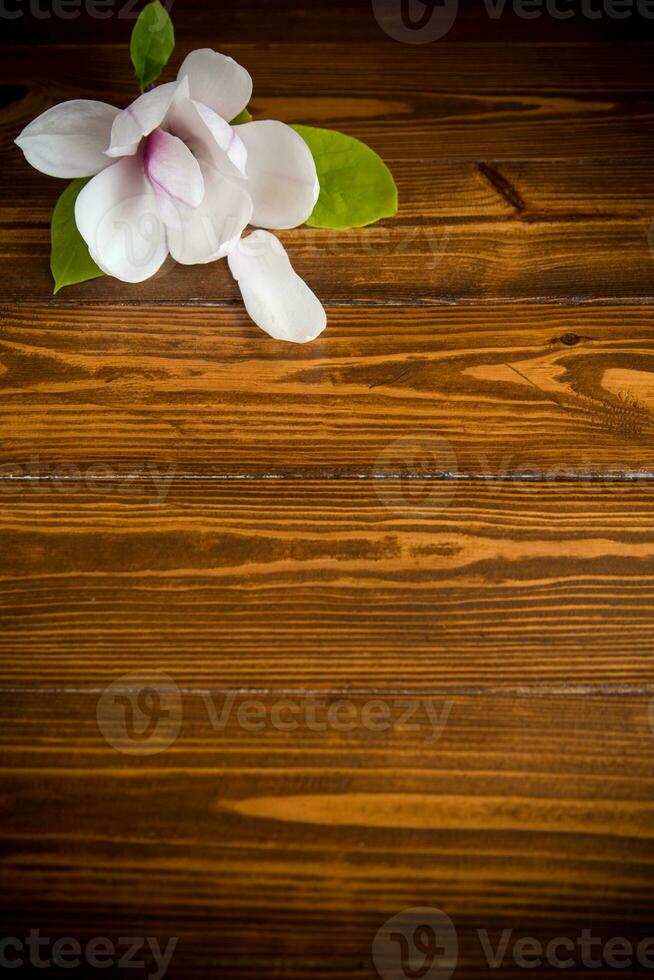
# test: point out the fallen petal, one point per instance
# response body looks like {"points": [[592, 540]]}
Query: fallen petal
{"points": [[277, 299]]}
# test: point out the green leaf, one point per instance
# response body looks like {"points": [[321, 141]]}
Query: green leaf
{"points": [[356, 186], [244, 116], [152, 43], [69, 257]]}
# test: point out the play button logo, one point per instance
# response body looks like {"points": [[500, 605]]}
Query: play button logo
{"points": [[416, 944]]}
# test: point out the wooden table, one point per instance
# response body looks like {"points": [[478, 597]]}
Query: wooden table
{"points": [[394, 587]]}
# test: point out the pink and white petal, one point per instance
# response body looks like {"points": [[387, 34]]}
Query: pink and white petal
{"points": [[217, 81], [282, 178], [116, 214], [143, 116], [172, 169], [200, 131], [208, 232], [277, 299], [69, 139], [225, 136]]}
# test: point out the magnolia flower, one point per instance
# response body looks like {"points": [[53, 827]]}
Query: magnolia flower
{"points": [[172, 176]]}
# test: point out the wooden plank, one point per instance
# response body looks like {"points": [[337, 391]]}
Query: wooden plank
{"points": [[385, 69], [517, 213], [390, 263], [431, 189], [457, 102], [302, 21], [419, 584], [444, 505], [548, 391], [254, 21], [294, 846], [607, 187], [427, 189]]}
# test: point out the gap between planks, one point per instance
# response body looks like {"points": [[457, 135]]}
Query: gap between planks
{"points": [[443, 302], [519, 691], [637, 476]]}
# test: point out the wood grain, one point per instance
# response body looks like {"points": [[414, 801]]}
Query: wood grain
{"points": [[418, 584], [458, 103], [300, 21], [534, 190], [392, 263], [297, 845], [539, 391], [427, 189], [443, 505], [384, 67], [466, 232], [605, 187]]}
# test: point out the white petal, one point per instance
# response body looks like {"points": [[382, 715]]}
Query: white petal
{"points": [[277, 299], [225, 136], [209, 231], [69, 140], [116, 214], [217, 81], [282, 178], [142, 117], [208, 137], [172, 169]]}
